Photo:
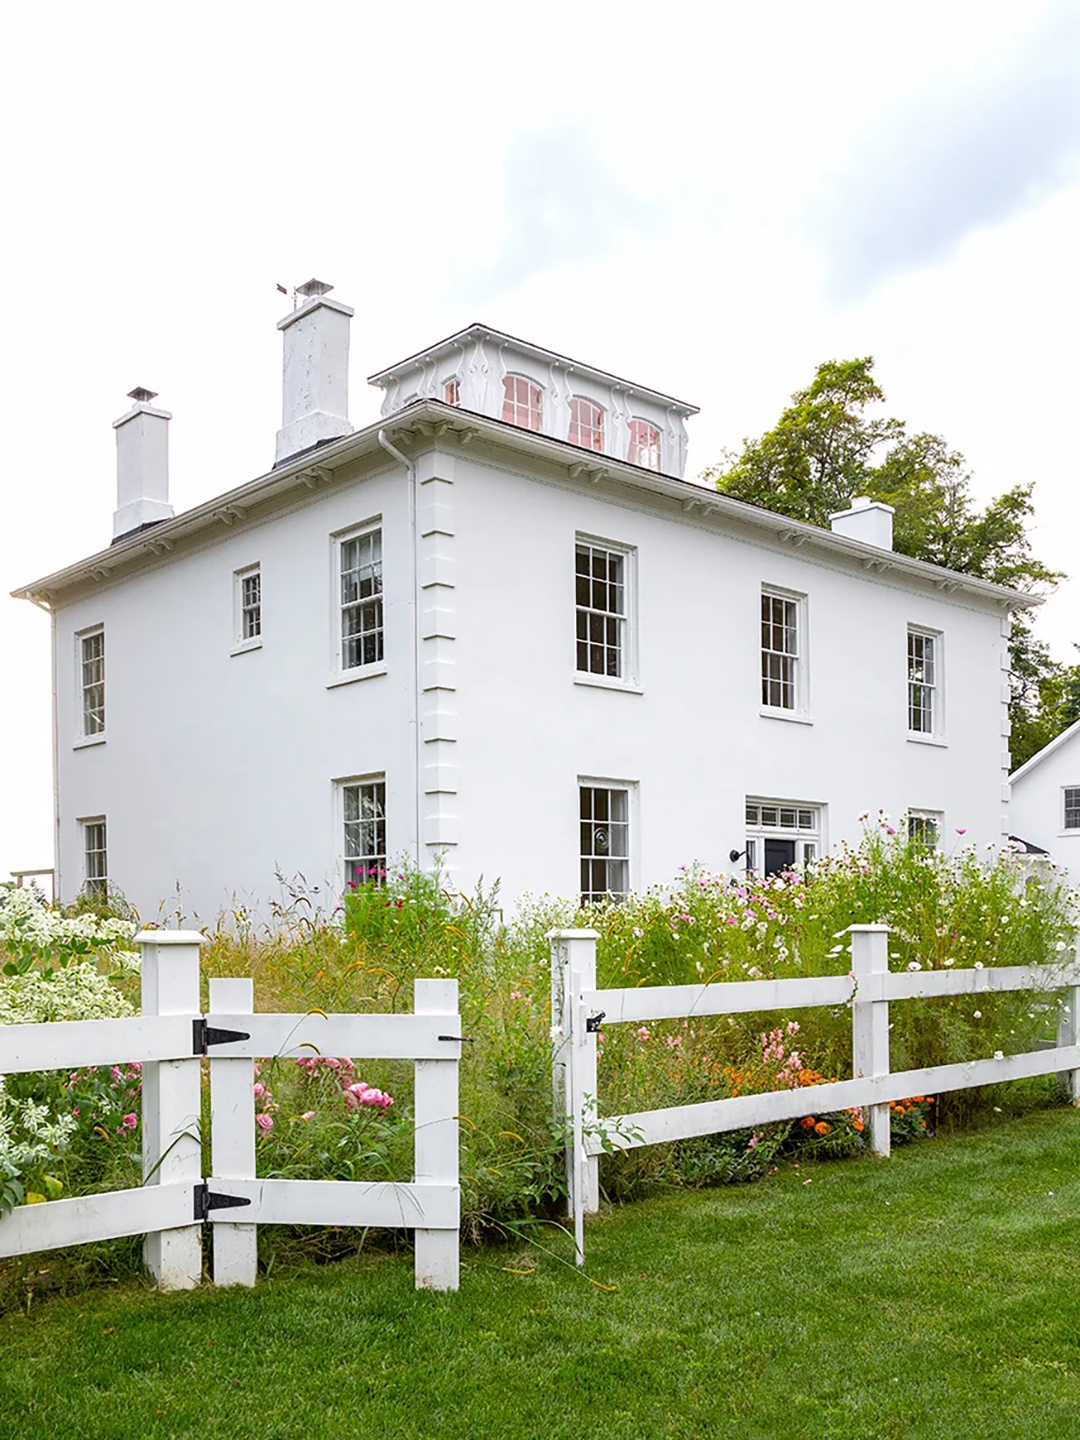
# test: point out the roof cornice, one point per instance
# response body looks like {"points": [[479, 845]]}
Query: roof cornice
{"points": [[430, 419], [1045, 753]]}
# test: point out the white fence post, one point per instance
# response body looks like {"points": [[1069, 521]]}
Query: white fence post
{"points": [[573, 970], [171, 1105], [436, 1142], [232, 1138], [1069, 1034], [870, 1022]]}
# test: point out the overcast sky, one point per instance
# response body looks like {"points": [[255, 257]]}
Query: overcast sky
{"points": [[707, 199]]}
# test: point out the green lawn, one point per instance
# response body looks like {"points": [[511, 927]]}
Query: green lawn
{"points": [[936, 1294]]}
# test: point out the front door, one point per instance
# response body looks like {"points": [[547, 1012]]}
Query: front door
{"points": [[779, 855]]}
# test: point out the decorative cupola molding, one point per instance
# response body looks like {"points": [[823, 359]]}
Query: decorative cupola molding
{"points": [[142, 466], [315, 377]]}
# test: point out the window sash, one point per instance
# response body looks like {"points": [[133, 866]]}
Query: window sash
{"points": [[251, 605], [522, 403], [604, 842], [644, 448], [96, 860], [364, 819], [452, 391], [586, 424], [779, 652], [924, 830], [361, 600], [1072, 808], [922, 682], [600, 590], [92, 658]]}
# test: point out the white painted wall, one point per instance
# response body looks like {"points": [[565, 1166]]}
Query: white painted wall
{"points": [[218, 768], [1037, 811]]}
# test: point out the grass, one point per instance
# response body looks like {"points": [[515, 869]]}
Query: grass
{"points": [[933, 1295]]}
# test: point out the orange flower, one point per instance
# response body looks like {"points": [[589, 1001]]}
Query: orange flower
{"points": [[807, 1122], [821, 1128], [858, 1124]]}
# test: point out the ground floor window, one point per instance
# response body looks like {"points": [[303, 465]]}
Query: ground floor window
{"points": [[781, 835], [364, 814], [924, 828], [604, 843], [95, 857]]}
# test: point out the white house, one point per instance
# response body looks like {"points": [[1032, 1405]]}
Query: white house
{"points": [[497, 626], [1045, 809]]}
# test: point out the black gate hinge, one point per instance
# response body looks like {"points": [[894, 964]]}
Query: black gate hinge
{"points": [[204, 1035], [592, 1022], [207, 1200]]}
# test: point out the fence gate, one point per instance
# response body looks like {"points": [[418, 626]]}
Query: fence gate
{"points": [[170, 1038]]}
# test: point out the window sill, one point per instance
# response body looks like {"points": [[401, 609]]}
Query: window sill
{"points": [[928, 740], [791, 716], [245, 646], [87, 741], [362, 672], [607, 682]]}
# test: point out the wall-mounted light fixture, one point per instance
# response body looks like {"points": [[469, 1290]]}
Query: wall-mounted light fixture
{"points": [[734, 855]]}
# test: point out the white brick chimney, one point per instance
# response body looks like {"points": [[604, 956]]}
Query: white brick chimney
{"points": [[142, 466], [315, 391], [867, 520]]}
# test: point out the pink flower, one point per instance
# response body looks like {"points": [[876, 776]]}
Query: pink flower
{"points": [[516, 995], [131, 1121], [308, 1115], [265, 1122], [961, 830], [889, 830], [259, 1088], [643, 1033]]}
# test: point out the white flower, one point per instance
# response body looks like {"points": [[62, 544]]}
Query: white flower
{"points": [[949, 961], [999, 1055], [979, 965], [556, 1032], [1060, 945], [914, 965], [978, 1015]]}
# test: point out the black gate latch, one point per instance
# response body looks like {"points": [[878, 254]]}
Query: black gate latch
{"points": [[592, 1022], [207, 1200], [204, 1035]]}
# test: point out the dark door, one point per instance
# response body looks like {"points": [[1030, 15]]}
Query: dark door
{"points": [[779, 855]]}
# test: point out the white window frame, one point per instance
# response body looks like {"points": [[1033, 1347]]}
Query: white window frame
{"points": [[626, 623], [455, 381], [538, 428], [630, 789], [799, 710], [341, 819], [769, 819], [342, 674], [85, 735], [632, 449], [1066, 828], [935, 734], [92, 883], [921, 819], [600, 427], [241, 642]]}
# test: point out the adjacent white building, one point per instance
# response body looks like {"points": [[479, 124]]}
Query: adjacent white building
{"points": [[1045, 808], [498, 627]]}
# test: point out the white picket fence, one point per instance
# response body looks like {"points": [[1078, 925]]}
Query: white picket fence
{"points": [[176, 1199], [578, 1008]]}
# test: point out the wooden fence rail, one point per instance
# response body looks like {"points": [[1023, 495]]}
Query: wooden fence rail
{"points": [[176, 1199], [579, 1007]]}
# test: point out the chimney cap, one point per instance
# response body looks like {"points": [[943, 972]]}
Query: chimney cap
{"points": [[141, 396], [311, 288]]}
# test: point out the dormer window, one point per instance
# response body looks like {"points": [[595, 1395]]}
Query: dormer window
{"points": [[452, 391], [586, 424], [644, 445], [522, 403]]}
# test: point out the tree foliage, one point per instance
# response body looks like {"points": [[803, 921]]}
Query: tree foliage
{"points": [[829, 447]]}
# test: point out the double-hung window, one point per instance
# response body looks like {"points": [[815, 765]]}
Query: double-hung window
{"points": [[604, 843], [924, 829], [783, 660], [586, 423], [924, 682], [92, 683], [95, 857], [602, 593], [247, 608], [361, 599], [364, 821], [644, 447], [1071, 807]]}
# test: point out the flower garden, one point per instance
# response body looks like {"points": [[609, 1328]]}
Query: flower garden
{"points": [[333, 1117]]}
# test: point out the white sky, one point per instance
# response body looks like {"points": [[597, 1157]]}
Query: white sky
{"points": [[706, 199]]}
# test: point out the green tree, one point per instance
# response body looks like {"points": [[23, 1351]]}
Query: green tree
{"points": [[828, 447]]}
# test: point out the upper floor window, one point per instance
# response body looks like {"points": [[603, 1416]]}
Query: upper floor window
{"points": [[601, 595], [783, 670], [1072, 807], [644, 446], [92, 682], [247, 604], [586, 423], [360, 558], [95, 857], [924, 673], [604, 844], [452, 391], [364, 810], [522, 403]]}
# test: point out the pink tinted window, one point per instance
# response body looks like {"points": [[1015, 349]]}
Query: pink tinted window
{"points": [[586, 424], [522, 403], [644, 445], [452, 391]]}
